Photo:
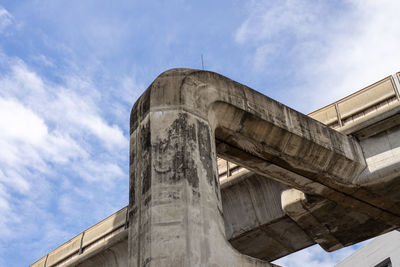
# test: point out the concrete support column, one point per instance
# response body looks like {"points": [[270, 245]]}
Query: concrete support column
{"points": [[175, 205]]}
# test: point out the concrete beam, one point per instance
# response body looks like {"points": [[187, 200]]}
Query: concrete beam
{"points": [[329, 224], [173, 184], [255, 223], [177, 156], [268, 220], [268, 137]]}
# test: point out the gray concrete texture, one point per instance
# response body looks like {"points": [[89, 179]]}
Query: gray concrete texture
{"points": [[180, 124], [308, 183]]}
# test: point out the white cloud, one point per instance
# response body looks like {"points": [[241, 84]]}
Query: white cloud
{"points": [[25, 79], [58, 150], [20, 124], [80, 114], [27, 141], [333, 49], [279, 29], [315, 256], [268, 20], [17, 81], [4, 205], [103, 176], [54, 102], [43, 60], [5, 19], [13, 179], [28, 150], [366, 51]]}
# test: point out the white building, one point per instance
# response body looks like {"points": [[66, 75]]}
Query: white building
{"points": [[383, 251]]}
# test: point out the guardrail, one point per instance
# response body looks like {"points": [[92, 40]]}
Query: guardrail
{"points": [[78, 244], [104, 228], [369, 99]]}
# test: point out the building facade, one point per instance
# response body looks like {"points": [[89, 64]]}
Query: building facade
{"points": [[383, 251]]}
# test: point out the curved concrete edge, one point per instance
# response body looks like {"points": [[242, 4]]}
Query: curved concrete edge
{"points": [[176, 118], [362, 128], [198, 92], [254, 124]]}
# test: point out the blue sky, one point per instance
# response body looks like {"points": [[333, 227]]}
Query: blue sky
{"points": [[71, 70]]}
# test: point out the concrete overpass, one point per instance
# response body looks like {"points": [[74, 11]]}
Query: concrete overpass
{"points": [[330, 178]]}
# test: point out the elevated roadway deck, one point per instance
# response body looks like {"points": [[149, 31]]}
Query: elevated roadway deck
{"points": [[308, 183]]}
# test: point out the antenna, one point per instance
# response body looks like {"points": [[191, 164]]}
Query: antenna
{"points": [[202, 62]]}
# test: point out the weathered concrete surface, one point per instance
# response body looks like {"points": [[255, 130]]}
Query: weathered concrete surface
{"points": [[175, 218], [116, 255], [257, 226], [372, 115], [174, 183], [274, 141], [259, 127], [329, 224], [255, 223], [175, 211], [382, 175]]}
